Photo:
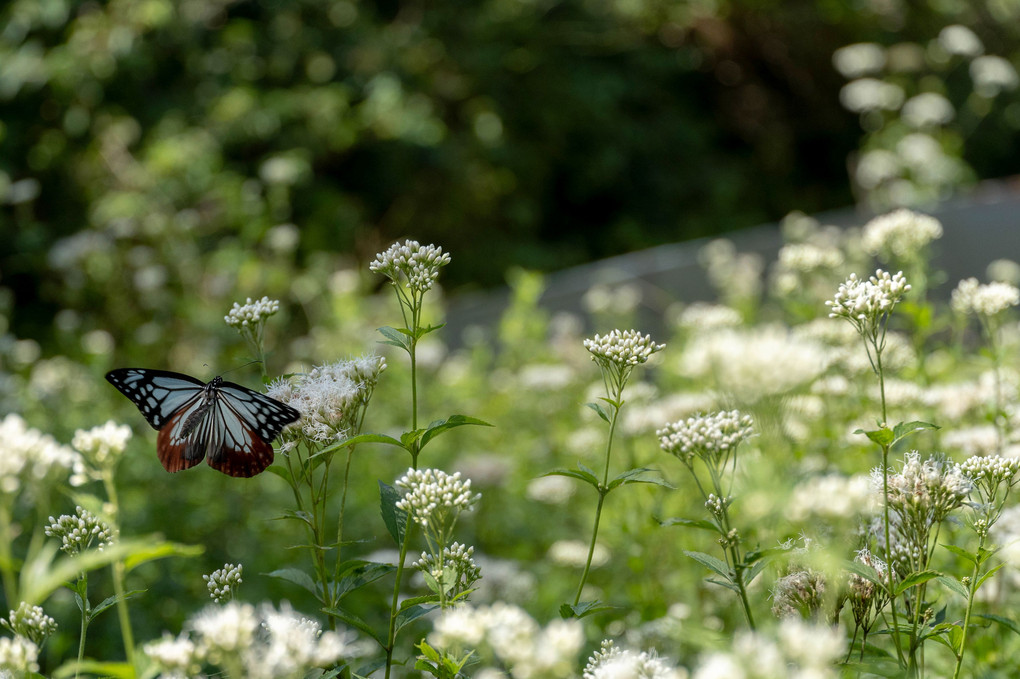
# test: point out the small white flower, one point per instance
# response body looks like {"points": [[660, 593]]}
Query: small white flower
{"points": [[615, 663], [431, 494], [223, 581], [251, 313], [550, 490], [228, 629], [30, 622], [859, 59], [412, 262], [970, 297], [81, 531], [622, 347], [29, 456], [574, 554], [864, 303], [708, 436], [870, 94], [960, 41], [101, 447], [18, 657], [927, 110], [992, 75], [175, 656]]}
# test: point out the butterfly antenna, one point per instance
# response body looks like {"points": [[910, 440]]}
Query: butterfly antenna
{"points": [[241, 366]]}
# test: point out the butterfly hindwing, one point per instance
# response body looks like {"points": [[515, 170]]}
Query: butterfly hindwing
{"points": [[229, 425]]}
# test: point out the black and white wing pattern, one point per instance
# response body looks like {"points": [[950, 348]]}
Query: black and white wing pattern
{"points": [[231, 426]]}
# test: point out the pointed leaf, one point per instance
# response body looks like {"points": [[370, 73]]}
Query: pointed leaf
{"points": [[355, 622], [690, 523], [298, 577], [866, 572], [883, 436], [398, 337], [1005, 622], [358, 576], [583, 609], [427, 329], [282, 472], [953, 585], [395, 519], [599, 409], [905, 429], [437, 428], [369, 438], [412, 613], [990, 573], [962, 553], [303, 517], [418, 600], [110, 601], [712, 563], [638, 475], [587, 477], [915, 579], [113, 670], [724, 583]]}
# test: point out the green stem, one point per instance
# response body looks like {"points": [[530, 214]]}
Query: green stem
{"points": [[7, 557], [392, 631], [603, 490], [119, 571], [84, 578], [971, 591]]}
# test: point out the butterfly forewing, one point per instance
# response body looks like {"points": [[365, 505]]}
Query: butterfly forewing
{"points": [[228, 424]]}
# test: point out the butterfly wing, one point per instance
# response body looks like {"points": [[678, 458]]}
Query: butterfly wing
{"points": [[159, 394], [240, 429]]}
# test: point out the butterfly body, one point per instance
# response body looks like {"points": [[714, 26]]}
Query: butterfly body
{"points": [[228, 425]]}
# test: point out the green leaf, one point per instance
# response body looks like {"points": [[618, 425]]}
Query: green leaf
{"points": [[638, 475], [915, 579], [368, 438], [408, 615], [1005, 622], [418, 600], [691, 523], [905, 429], [437, 428], [395, 519], [724, 583], [962, 553], [110, 601], [883, 436], [298, 577], [866, 572], [990, 573], [428, 328], [355, 622], [398, 337], [712, 563], [357, 574], [113, 670], [953, 585], [583, 609], [282, 472], [599, 409], [303, 517], [585, 476]]}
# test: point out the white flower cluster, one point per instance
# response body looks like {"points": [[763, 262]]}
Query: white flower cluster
{"points": [[707, 436], [751, 364], [28, 455], [829, 496], [222, 581], [101, 447], [992, 468], [931, 488], [807, 257], [862, 58], [456, 559], [970, 297], [864, 302], [702, 316], [430, 493], [611, 662], [961, 41], [870, 94], [801, 650], [418, 264], [505, 635], [263, 643], [992, 75], [798, 593], [18, 657], [901, 233], [330, 397], [622, 347], [79, 532], [251, 313], [30, 622]]}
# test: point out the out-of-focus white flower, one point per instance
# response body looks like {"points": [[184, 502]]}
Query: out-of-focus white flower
{"points": [[859, 59], [18, 657], [101, 447], [970, 297], [900, 233], [876, 167], [574, 554], [992, 75], [918, 150], [927, 109], [27, 454], [704, 317], [545, 377], [750, 364], [981, 440], [176, 657], [226, 629], [806, 257], [1004, 271], [612, 662], [830, 496], [870, 94], [550, 490], [960, 41]]}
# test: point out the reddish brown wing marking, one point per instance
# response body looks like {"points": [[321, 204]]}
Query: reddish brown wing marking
{"points": [[234, 462], [173, 451]]}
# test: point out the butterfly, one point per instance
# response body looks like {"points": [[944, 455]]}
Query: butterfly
{"points": [[230, 426]]}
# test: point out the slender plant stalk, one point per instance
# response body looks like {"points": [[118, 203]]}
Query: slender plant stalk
{"points": [[6, 557], [391, 634], [84, 578], [119, 571]]}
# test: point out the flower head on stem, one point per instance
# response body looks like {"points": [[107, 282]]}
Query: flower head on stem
{"points": [[249, 319], [30, 622], [411, 264], [223, 582], [617, 353], [712, 438], [80, 532]]}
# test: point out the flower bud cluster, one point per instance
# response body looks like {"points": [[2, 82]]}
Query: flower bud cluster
{"points": [[101, 447], [30, 622], [251, 313], [430, 493], [418, 264], [457, 559], [622, 347], [710, 437], [970, 297], [80, 532], [222, 582], [865, 302], [800, 593]]}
